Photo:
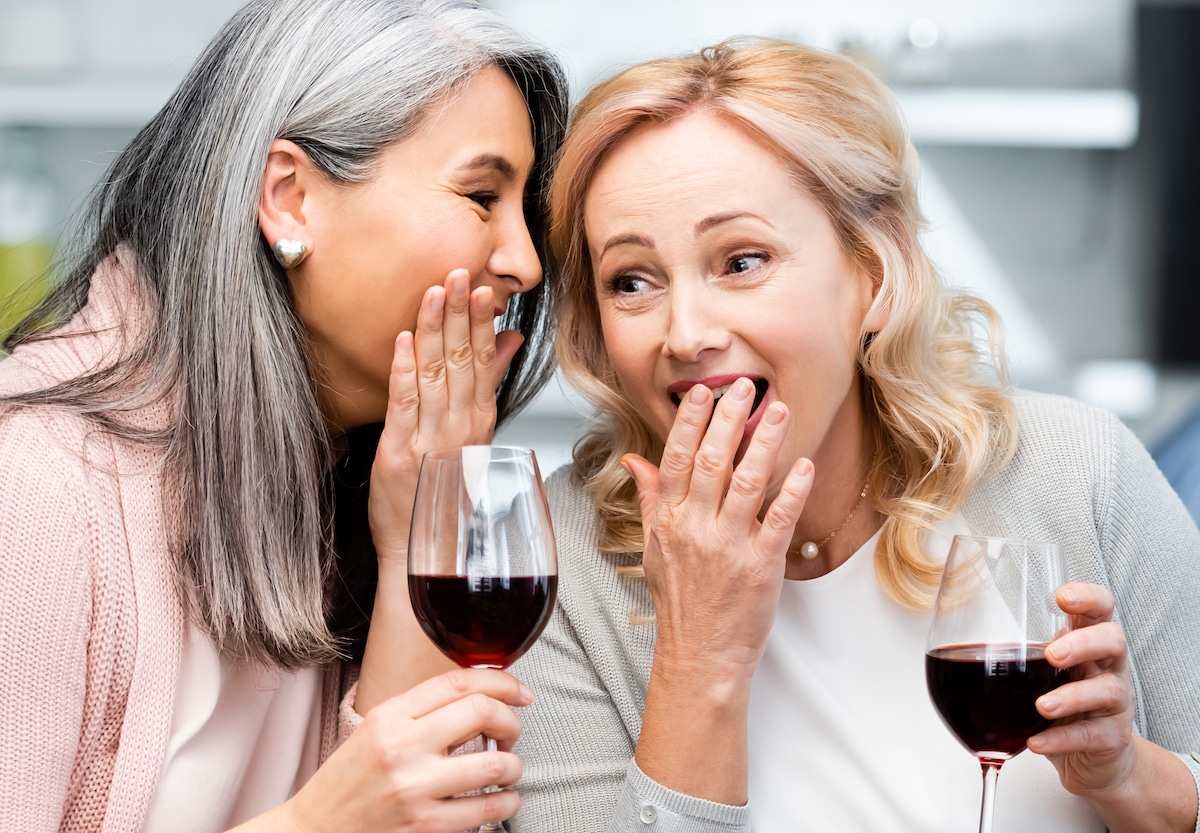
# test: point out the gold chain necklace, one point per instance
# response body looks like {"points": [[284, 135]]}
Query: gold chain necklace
{"points": [[810, 550]]}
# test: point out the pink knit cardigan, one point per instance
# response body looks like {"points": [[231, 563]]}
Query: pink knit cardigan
{"points": [[90, 620]]}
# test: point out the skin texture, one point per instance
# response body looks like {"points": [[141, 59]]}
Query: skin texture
{"points": [[712, 268], [709, 265], [398, 293], [450, 197]]}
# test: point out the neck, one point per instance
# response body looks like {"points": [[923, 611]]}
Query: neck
{"points": [[838, 550]]}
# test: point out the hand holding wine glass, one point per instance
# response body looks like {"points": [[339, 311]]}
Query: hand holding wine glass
{"points": [[985, 661], [482, 562]]}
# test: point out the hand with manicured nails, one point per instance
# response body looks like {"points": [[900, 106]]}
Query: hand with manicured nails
{"points": [[441, 394], [394, 772], [1092, 745], [715, 572]]}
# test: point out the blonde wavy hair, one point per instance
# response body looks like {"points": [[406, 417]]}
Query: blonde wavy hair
{"points": [[935, 398]]}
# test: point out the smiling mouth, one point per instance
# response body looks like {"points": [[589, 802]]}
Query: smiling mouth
{"points": [[760, 393]]}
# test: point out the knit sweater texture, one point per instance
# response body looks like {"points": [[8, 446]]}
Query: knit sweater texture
{"points": [[1079, 477], [91, 623]]}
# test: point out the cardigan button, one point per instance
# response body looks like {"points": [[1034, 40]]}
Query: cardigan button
{"points": [[649, 814]]}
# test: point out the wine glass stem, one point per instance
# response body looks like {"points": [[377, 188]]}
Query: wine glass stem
{"points": [[991, 774], [491, 827]]}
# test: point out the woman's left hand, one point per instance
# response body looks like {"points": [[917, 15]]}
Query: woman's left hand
{"points": [[1092, 746], [441, 394]]}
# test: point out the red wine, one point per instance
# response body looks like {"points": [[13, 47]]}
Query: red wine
{"points": [[483, 621], [985, 693]]}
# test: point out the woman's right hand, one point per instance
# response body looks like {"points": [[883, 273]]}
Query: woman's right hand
{"points": [[715, 570], [394, 773], [441, 394], [715, 573]]}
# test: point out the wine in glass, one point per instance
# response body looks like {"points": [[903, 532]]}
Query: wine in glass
{"points": [[985, 662], [482, 562]]}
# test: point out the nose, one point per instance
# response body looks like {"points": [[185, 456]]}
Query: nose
{"points": [[694, 322], [514, 258]]}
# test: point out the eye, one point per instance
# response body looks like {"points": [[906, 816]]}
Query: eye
{"points": [[625, 285], [485, 199], [746, 262]]}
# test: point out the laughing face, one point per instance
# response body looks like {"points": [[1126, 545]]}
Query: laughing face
{"points": [[711, 263]]}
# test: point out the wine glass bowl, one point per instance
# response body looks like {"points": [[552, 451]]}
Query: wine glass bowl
{"points": [[482, 561], [985, 662]]}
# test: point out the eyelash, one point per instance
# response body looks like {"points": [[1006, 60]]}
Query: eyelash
{"points": [[485, 199], [613, 285], [765, 258]]}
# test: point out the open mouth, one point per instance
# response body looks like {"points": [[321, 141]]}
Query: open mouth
{"points": [[760, 393]]}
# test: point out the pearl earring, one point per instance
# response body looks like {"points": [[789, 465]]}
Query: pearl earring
{"points": [[289, 252]]}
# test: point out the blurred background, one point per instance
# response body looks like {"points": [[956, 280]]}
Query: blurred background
{"points": [[1060, 145]]}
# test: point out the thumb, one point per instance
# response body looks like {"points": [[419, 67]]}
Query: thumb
{"points": [[508, 342], [645, 477]]}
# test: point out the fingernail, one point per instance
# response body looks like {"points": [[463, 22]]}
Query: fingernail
{"points": [[742, 388], [1049, 703], [526, 693], [1070, 596], [437, 300], [1058, 653], [404, 342], [774, 414], [1036, 742], [697, 394]]}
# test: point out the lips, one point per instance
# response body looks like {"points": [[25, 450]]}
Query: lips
{"points": [[760, 391]]}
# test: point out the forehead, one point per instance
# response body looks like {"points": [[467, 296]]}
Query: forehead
{"points": [[485, 117], [700, 159]]}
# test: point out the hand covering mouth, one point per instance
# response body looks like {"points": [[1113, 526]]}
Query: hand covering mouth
{"points": [[760, 393]]}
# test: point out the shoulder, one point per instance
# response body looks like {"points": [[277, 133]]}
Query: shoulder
{"points": [[1047, 418], [594, 590], [571, 506], [577, 524], [45, 454], [50, 489], [66, 479], [1062, 439]]}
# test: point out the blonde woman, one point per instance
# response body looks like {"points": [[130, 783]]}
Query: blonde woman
{"points": [[794, 417]]}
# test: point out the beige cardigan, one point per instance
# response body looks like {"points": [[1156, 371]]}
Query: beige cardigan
{"points": [[90, 621]]}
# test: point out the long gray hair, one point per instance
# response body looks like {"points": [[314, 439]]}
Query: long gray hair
{"points": [[249, 457]]}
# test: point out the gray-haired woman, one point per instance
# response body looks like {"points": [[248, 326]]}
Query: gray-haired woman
{"points": [[284, 291]]}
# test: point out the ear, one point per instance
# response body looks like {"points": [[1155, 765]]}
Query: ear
{"points": [[288, 180], [878, 310]]}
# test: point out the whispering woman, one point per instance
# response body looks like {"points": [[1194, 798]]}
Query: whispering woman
{"points": [[202, 565]]}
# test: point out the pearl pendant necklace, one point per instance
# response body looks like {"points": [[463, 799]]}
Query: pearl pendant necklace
{"points": [[810, 550]]}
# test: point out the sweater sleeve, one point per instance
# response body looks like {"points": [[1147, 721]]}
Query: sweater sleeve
{"points": [[45, 608], [1152, 553]]}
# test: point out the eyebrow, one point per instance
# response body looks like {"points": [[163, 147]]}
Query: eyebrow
{"points": [[493, 162], [707, 224], [624, 239]]}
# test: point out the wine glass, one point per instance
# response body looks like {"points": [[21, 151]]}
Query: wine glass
{"points": [[985, 662], [482, 562]]}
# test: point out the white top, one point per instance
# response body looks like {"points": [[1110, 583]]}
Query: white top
{"points": [[243, 739], [824, 756]]}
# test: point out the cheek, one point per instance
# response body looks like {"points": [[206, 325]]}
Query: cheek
{"points": [[634, 354]]}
